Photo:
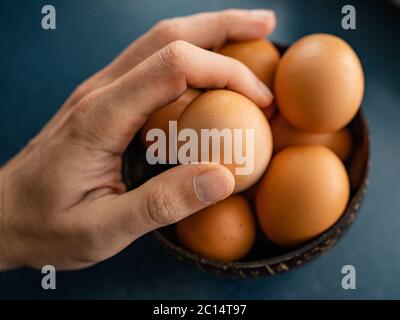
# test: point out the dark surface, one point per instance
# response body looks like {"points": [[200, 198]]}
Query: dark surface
{"points": [[39, 68]]}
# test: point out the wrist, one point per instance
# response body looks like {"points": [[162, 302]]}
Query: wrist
{"points": [[5, 262]]}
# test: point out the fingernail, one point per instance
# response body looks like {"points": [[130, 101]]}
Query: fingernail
{"points": [[212, 186], [265, 92], [261, 14]]}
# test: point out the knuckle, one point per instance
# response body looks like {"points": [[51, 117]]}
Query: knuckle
{"points": [[175, 53], [85, 116], [80, 91], [228, 15], [83, 106], [228, 18], [160, 208], [89, 101], [168, 30]]}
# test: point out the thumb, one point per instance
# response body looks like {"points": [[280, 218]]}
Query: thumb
{"points": [[170, 197]]}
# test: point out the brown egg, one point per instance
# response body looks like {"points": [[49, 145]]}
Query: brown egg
{"points": [[303, 193], [260, 56], [226, 110], [284, 135], [160, 118], [319, 83], [225, 231]]}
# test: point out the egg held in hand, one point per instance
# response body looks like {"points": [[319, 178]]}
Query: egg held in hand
{"points": [[304, 192], [284, 135], [225, 231], [319, 83], [231, 130]]}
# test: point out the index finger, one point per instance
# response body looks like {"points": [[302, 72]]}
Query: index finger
{"points": [[113, 114], [206, 30]]}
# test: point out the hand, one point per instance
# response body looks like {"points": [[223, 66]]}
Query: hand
{"points": [[62, 200]]}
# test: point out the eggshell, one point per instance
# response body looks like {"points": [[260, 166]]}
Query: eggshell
{"points": [[225, 231], [260, 56], [319, 83], [303, 193], [225, 109], [171, 112], [285, 135]]}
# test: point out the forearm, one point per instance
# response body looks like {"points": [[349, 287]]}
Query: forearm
{"points": [[4, 250]]}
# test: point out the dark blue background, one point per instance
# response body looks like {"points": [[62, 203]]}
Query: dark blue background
{"points": [[38, 69]]}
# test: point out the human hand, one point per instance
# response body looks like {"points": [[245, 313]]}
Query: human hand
{"points": [[62, 200]]}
